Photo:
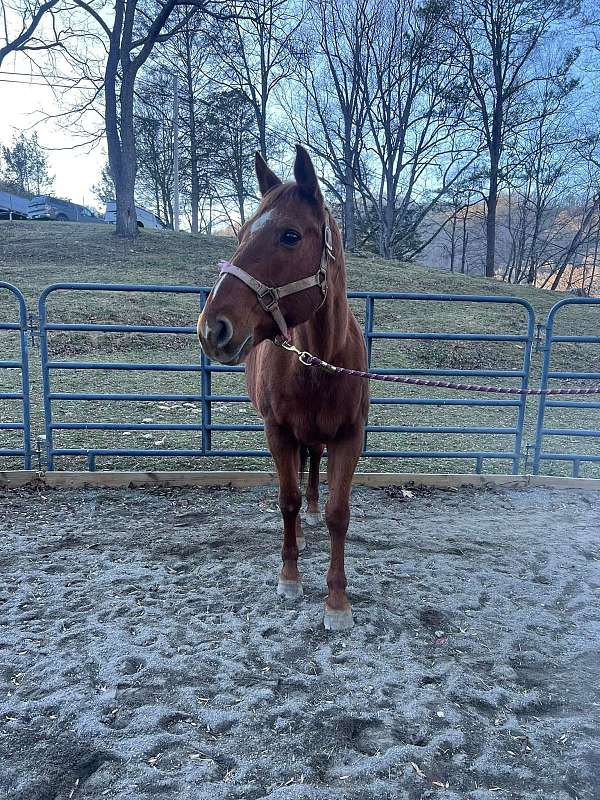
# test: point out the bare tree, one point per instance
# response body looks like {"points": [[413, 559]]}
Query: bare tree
{"points": [[415, 109], [154, 143], [499, 40], [231, 137], [129, 32], [187, 56], [330, 112], [132, 32], [258, 49], [588, 226], [30, 14]]}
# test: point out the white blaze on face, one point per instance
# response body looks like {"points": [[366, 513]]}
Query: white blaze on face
{"points": [[213, 294], [261, 221]]}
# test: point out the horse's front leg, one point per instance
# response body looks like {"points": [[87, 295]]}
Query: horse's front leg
{"points": [[285, 450], [342, 459]]}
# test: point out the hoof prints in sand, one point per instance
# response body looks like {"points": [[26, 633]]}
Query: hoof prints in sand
{"points": [[144, 652]]}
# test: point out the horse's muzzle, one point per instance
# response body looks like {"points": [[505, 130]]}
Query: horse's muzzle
{"points": [[218, 341]]}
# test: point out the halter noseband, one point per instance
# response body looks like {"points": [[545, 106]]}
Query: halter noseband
{"points": [[269, 296]]}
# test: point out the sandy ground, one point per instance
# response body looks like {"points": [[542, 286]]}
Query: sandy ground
{"points": [[144, 653]]}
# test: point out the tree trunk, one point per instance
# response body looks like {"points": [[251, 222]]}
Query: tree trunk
{"points": [[194, 171], [195, 178], [453, 242], [495, 150], [348, 211], [126, 216], [349, 218], [120, 135], [125, 187], [385, 233], [465, 236], [595, 261], [490, 224], [241, 202], [388, 218]]}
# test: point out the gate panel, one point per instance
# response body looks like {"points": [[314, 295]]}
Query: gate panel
{"points": [[580, 434], [8, 398], [52, 366], [519, 374], [204, 399]]}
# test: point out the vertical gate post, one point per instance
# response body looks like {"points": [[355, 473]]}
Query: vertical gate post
{"points": [[46, 380], [206, 392], [22, 364], [545, 348], [516, 467], [369, 317]]}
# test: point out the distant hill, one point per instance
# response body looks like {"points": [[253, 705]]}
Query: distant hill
{"points": [[32, 254], [560, 227]]}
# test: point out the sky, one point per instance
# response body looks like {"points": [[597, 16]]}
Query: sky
{"points": [[76, 171]]}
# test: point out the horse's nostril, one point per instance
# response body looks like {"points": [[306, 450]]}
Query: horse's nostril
{"points": [[223, 332]]}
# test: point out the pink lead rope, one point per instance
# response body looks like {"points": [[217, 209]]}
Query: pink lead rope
{"points": [[312, 361]]}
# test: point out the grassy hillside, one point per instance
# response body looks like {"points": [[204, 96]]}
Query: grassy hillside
{"points": [[33, 255]]}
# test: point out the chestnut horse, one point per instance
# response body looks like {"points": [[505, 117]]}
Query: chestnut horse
{"points": [[287, 279]]}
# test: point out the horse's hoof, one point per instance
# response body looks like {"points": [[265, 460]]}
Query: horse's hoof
{"points": [[313, 518], [300, 543], [335, 620], [292, 590]]}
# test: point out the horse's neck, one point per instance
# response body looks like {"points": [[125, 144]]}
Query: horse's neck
{"points": [[324, 334]]}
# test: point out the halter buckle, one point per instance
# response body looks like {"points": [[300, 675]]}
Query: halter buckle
{"points": [[269, 298], [322, 281]]}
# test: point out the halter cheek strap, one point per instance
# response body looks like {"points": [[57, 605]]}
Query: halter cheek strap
{"points": [[269, 296]]}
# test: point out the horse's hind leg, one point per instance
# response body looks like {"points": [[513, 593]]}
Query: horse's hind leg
{"points": [[287, 460], [313, 515], [343, 457]]}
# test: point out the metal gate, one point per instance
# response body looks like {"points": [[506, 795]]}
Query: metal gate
{"points": [[204, 398], [51, 366], [17, 393], [579, 434], [519, 374]]}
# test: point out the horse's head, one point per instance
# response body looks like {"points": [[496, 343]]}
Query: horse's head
{"points": [[278, 275]]}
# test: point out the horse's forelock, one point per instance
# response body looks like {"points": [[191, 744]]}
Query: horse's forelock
{"points": [[293, 194]]}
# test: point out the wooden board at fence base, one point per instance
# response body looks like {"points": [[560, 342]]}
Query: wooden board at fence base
{"points": [[135, 480]]}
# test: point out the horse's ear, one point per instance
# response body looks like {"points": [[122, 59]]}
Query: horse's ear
{"points": [[267, 179], [305, 175]]}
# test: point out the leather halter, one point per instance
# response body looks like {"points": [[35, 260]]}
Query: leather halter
{"points": [[269, 296]]}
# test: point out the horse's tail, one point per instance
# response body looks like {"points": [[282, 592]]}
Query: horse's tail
{"points": [[304, 453]]}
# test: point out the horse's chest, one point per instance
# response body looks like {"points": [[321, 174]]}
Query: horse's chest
{"points": [[315, 408]]}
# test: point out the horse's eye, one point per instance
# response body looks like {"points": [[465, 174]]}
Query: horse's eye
{"points": [[290, 238]]}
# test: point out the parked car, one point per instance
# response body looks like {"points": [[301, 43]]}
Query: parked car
{"points": [[12, 206], [45, 207], [145, 219]]}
